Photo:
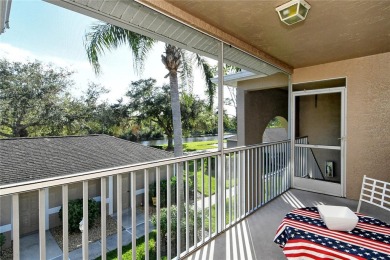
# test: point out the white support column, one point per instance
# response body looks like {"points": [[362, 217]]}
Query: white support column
{"points": [[289, 107], [119, 215], [65, 224], [221, 161], [103, 204], [85, 221], [47, 225], [15, 226], [291, 130], [133, 214], [42, 224]]}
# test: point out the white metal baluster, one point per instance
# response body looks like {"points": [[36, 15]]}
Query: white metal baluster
{"points": [[216, 193], [306, 161], [300, 161], [196, 203], [248, 184], [65, 225], [187, 207], [178, 204], [103, 205], [210, 195], [283, 167], [275, 171], [42, 224], [269, 173], [262, 179], [134, 215], [279, 167], [85, 220], [235, 185], [243, 203], [266, 181], [15, 226], [230, 189], [203, 226], [158, 192], [146, 216], [286, 165], [169, 198], [256, 178], [253, 180], [239, 188], [119, 214]]}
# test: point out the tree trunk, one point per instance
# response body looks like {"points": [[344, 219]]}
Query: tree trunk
{"points": [[176, 114], [170, 143], [172, 61]]}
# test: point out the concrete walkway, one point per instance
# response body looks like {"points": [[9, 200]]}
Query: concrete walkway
{"points": [[29, 245]]}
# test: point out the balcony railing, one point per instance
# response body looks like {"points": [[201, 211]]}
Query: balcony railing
{"points": [[205, 194]]}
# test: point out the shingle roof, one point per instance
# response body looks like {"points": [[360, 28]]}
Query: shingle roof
{"points": [[274, 134], [26, 159]]}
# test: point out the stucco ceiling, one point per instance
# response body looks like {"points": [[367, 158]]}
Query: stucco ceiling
{"points": [[333, 30]]}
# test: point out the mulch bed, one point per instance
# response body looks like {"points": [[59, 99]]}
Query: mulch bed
{"points": [[94, 233], [7, 254]]}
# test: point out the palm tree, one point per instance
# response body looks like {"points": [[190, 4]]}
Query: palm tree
{"points": [[105, 36]]}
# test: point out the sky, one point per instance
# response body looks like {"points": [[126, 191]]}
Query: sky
{"points": [[51, 34]]}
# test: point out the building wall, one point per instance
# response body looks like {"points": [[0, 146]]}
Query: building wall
{"points": [[368, 110], [29, 202], [255, 111], [5, 218]]}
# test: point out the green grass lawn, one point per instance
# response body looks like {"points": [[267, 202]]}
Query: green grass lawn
{"points": [[140, 254], [200, 146]]}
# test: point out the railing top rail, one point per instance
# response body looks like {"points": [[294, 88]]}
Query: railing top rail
{"points": [[83, 176], [8, 189], [241, 148]]}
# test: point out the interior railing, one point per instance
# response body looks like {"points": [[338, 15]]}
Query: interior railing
{"points": [[306, 164], [197, 197]]}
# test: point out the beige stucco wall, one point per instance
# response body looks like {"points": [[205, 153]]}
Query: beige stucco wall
{"points": [[5, 217], [368, 114], [256, 109]]}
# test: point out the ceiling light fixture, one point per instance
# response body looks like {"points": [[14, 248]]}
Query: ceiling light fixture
{"points": [[293, 11]]}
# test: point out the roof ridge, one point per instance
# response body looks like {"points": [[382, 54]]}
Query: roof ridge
{"points": [[136, 143], [44, 137]]}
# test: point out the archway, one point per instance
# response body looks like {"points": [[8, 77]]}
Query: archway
{"points": [[276, 130]]}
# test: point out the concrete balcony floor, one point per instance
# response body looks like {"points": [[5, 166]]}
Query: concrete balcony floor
{"points": [[252, 238]]}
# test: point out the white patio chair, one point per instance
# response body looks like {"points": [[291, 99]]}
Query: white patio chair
{"points": [[375, 192]]}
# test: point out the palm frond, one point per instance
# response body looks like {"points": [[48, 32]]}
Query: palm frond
{"points": [[105, 36], [208, 74], [186, 75]]}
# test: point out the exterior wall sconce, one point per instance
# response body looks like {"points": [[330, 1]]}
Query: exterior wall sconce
{"points": [[293, 11]]}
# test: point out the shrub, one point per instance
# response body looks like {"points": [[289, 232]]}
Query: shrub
{"points": [[163, 192], [164, 227], [75, 213], [2, 242]]}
